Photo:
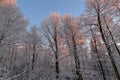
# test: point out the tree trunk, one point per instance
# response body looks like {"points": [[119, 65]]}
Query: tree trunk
{"points": [[77, 62], [33, 58], [114, 43], [108, 47], [56, 54], [96, 51], [57, 66]]}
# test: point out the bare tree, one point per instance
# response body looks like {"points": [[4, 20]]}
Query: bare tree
{"points": [[71, 30], [100, 7], [51, 29], [13, 24], [35, 41], [95, 50]]}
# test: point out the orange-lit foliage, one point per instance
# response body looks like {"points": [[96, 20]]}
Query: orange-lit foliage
{"points": [[73, 29], [64, 50], [103, 6], [98, 43], [80, 41], [6, 2]]}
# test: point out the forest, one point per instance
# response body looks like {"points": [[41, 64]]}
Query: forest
{"points": [[62, 47]]}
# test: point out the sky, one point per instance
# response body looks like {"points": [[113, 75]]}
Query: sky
{"points": [[37, 10]]}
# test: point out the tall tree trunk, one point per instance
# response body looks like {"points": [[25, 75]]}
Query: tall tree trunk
{"points": [[114, 43], [1, 38], [33, 58], [56, 54], [57, 66], [77, 62], [96, 51], [107, 46]]}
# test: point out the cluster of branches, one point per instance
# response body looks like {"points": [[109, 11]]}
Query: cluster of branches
{"points": [[62, 47]]}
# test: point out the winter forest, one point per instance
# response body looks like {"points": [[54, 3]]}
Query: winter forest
{"points": [[63, 47]]}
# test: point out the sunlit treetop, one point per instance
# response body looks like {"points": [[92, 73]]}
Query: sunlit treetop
{"points": [[7, 2]]}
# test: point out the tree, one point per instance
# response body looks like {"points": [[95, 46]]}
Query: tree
{"points": [[95, 41], [12, 24], [51, 28], [71, 30], [98, 8], [35, 41]]}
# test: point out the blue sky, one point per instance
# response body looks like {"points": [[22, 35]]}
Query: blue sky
{"points": [[37, 10]]}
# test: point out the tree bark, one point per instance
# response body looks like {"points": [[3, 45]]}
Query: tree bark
{"points": [[107, 46], [114, 43], [56, 54], [77, 62], [33, 58], [96, 51]]}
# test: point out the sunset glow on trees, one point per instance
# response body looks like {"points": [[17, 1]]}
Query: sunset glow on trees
{"points": [[62, 46]]}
